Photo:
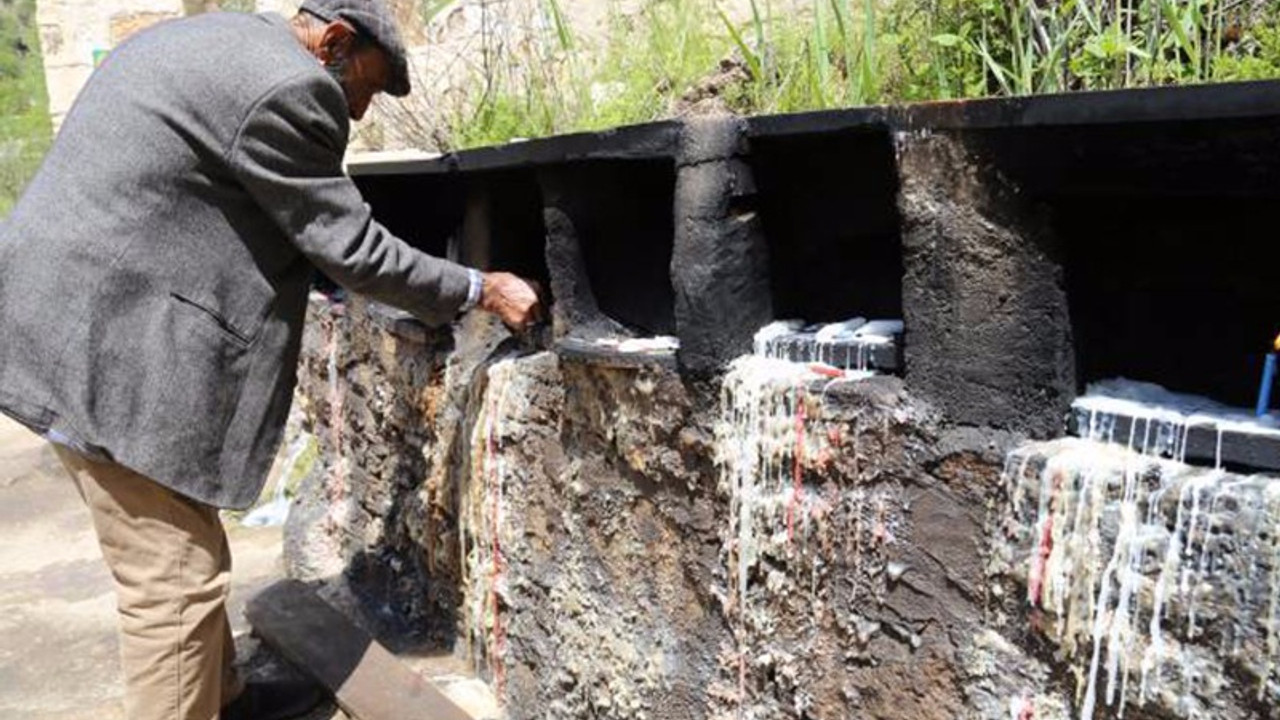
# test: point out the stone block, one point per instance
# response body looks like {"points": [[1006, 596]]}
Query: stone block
{"points": [[1204, 445], [51, 41], [64, 85], [367, 680]]}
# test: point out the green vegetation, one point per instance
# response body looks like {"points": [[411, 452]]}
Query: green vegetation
{"points": [[676, 56], [24, 116], [1261, 55], [560, 83]]}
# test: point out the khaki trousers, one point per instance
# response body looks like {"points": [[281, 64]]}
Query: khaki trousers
{"points": [[172, 569]]}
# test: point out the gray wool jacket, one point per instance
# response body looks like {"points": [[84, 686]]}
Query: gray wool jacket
{"points": [[154, 276]]}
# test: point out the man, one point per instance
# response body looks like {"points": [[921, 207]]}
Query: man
{"points": [[153, 285]]}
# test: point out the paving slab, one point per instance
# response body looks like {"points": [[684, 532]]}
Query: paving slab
{"points": [[368, 681]]}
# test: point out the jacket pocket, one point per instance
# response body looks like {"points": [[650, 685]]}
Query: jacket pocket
{"points": [[233, 333], [209, 359]]}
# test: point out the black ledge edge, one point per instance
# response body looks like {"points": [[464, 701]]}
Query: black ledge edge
{"points": [[652, 141], [661, 140], [588, 353], [884, 357], [1259, 452], [1166, 104]]}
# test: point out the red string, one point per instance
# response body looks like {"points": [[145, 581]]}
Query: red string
{"points": [[742, 680], [498, 639], [1044, 547]]}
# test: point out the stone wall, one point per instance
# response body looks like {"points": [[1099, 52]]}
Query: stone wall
{"points": [[614, 542], [611, 542], [710, 534], [75, 35], [1159, 582]]}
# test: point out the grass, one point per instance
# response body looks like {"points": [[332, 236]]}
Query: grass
{"points": [[678, 56], [797, 55], [24, 117]]}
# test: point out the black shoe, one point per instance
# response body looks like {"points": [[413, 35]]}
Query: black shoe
{"points": [[278, 700]]}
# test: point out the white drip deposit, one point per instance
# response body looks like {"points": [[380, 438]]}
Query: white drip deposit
{"points": [[648, 345], [760, 438], [846, 344], [769, 432], [762, 441], [1164, 418], [1152, 574]]}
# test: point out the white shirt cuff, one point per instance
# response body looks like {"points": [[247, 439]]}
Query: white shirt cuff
{"points": [[474, 289]]}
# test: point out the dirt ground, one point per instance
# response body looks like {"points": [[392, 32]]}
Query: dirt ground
{"points": [[58, 647]]}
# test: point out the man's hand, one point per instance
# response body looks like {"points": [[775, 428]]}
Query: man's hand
{"points": [[513, 299]]}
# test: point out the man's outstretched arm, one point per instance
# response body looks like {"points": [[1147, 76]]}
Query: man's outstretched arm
{"points": [[288, 154]]}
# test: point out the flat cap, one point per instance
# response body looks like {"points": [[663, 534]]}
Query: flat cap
{"points": [[372, 19]]}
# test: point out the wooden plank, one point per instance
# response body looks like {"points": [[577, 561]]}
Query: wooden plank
{"points": [[367, 680]]}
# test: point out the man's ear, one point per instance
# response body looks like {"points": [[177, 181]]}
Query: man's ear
{"points": [[335, 42]]}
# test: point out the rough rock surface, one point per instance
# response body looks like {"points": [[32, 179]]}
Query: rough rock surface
{"points": [[613, 535], [372, 395], [1158, 581], [575, 530]]}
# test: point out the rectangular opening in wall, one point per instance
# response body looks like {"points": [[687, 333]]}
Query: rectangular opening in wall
{"points": [[617, 221], [423, 209], [491, 220], [502, 227], [1165, 230], [828, 203]]}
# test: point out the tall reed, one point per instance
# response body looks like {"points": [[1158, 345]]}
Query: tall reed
{"points": [[799, 55]]}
